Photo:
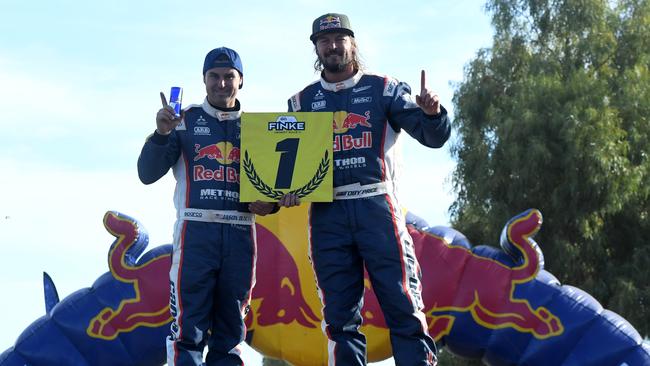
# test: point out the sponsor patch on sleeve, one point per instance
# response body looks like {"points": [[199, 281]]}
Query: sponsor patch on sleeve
{"points": [[389, 87], [295, 102]]}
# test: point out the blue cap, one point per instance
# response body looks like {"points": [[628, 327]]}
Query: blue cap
{"points": [[233, 60]]}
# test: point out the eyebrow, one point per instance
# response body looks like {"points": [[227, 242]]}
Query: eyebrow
{"points": [[227, 73]]}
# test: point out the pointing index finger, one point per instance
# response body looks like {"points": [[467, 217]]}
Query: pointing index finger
{"points": [[163, 99], [423, 82]]}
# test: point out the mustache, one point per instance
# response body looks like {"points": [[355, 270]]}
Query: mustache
{"points": [[337, 52]]}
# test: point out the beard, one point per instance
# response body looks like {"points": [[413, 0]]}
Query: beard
{"points": [[335, 65]]}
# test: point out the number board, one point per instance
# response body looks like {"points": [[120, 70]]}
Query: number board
{"points": [[286, 152]]}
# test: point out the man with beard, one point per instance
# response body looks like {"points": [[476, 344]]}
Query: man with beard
{"points": [[214, 250], [365, 224]]}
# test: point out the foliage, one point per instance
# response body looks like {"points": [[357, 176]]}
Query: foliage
{"points": [[555, 116]]}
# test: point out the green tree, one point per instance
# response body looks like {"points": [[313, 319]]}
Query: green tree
{"points": [[555, 116]]}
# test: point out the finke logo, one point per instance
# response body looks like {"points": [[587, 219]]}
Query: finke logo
{"points": [[286, 123]]}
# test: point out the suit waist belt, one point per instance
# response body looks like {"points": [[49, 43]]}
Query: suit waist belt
{"points": [[356, 190], [222, 216]]}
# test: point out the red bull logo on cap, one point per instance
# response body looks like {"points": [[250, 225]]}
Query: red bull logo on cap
{"points": [[330, 22]]}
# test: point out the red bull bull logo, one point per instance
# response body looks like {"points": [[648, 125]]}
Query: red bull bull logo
{"points": [[150, 305], [482, 286], [330, 22], [278, 290], [343, 121], [224, 152], [467, 286]]}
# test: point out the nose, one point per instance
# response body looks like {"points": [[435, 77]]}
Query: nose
{"points": [[328, 46]]}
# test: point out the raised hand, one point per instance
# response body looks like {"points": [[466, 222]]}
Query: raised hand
{"points": [[166, 119], [428, 101]]}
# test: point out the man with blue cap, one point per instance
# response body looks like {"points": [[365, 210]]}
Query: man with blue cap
{"points": [[214, 249]]}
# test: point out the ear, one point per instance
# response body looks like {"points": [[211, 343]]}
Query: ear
{"points": [[241, 82]]}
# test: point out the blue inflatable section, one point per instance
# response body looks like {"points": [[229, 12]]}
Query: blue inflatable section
{"points": [[510, 311]]}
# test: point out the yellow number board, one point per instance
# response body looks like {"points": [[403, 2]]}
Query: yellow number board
{"points": [[286, 152]]}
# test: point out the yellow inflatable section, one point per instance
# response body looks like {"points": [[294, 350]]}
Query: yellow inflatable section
{"points": [[285, 317]]}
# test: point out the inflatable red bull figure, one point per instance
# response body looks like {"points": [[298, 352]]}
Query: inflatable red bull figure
{"points": [[500, 306]]}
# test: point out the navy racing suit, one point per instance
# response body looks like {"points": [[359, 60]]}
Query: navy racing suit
{"points": [[214, 249], [365, 224]]}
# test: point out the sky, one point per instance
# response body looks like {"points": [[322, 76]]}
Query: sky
{"points": [[79, 84]]}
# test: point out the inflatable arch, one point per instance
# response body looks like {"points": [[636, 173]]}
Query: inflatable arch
{"points": [[500, 306]]}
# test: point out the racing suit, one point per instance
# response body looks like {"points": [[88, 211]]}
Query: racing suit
{"points": [[214, 249], [365, 225]]}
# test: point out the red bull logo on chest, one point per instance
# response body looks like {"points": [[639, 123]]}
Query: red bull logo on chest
{"points": [[343, 121], [224, 152]]}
